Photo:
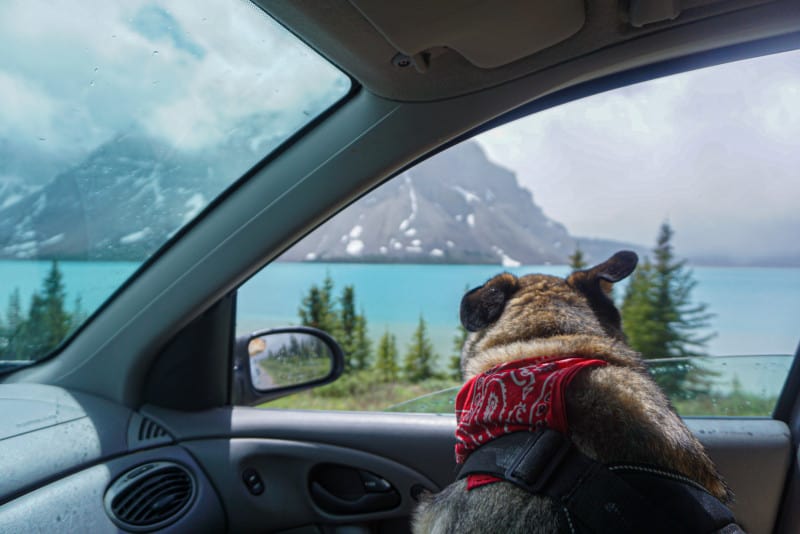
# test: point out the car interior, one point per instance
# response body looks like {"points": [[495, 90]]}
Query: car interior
{"points": [[154, 389]]}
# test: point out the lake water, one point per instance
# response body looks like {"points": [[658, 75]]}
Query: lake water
{"points": [[757, 310]]}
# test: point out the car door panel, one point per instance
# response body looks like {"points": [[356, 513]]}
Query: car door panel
{"points": [[411, 450], [289, 498]]}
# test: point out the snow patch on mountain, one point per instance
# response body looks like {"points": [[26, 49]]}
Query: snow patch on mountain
{"points": [[39, 205], [355, 247], [469, 196], [133, 237], [54, 240], [412, 197], [11, 200], [23, 250]]}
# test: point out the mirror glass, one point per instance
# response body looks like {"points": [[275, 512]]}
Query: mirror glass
{"points": [[282, 359]]}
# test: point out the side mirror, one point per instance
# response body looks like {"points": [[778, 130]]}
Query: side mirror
{"points": [[273, 363]]}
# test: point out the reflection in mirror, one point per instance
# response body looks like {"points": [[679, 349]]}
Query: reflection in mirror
{"points": [[282, 359]]}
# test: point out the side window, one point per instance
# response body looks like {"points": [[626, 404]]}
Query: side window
{"points": [[696, 172]]}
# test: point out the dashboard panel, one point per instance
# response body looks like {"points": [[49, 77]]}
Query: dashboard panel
{"points": [[70, 462]]}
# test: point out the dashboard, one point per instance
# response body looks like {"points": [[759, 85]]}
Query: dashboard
{"points": [[72, 462], [75, 463]]}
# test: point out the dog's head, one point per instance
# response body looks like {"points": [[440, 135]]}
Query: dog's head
{"points": [[508, 310]]}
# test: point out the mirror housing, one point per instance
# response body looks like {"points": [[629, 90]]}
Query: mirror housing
{"points": [[269, 364]]}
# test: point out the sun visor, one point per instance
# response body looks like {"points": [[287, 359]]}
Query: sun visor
{"points": [[486, 32]]}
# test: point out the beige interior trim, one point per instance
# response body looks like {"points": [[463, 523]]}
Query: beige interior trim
{"points": [[486, 36]]}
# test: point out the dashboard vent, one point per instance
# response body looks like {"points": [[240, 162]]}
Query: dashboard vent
{"points": [[144, 432], [150, 496], [149, 430]]}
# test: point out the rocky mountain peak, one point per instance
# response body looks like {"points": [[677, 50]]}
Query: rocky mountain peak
{"points": [[125, 198]]}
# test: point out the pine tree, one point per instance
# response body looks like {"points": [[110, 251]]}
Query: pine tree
{"points": [[418, 364], [454, 366], [330, 319], [386, 360], [576, 259], [346, 336], [54, 296], [310, 311], [362, 349], [48, 323], [12, 330], [661, 321], [318, 308]]}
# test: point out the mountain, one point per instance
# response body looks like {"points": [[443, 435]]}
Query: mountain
{"points": [[126, 197], [456, 207]]}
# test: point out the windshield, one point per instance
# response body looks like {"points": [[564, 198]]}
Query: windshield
{"points": [[120, 122]]}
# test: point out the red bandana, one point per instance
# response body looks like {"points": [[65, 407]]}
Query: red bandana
{"points": [[517, 396]]}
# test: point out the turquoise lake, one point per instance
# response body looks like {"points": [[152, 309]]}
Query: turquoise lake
{"points": [[756, 310]]}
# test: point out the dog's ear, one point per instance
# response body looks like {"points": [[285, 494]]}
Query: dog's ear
{"points": [[483, 305], [596, 282], [616, 268]]}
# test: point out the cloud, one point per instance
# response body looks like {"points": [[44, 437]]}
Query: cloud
{"points": [[26, 108], [714, 151], [185, 72], [156, 23]]}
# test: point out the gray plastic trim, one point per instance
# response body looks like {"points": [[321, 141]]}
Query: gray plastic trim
{"points": [[75, 503], [752, 454], [285, 467], [47, 432]]}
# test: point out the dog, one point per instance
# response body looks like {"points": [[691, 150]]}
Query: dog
{"points": [[614, 413]]}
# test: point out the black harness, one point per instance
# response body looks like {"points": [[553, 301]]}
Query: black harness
{"points": [[601, 498]]}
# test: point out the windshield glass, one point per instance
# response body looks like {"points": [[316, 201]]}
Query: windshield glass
{"points": [[120, 122]]}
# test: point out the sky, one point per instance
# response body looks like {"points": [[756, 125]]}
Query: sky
{"points": [[75, 74], [716, 152]]}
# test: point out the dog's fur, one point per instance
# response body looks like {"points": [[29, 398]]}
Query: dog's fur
{"points": [[616, 412]]}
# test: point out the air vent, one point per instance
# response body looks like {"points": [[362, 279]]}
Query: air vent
{"points": [[144, 432], [149, 430], [150, 496]]}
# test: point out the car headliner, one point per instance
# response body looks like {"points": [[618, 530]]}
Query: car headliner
{"points": [[364, 46]]}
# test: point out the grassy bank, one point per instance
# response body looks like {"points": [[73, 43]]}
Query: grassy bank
{"points": [[365, 392]]}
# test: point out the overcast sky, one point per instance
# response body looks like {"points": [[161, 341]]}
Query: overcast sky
{"points": [[75, 74], [716, 151]]}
